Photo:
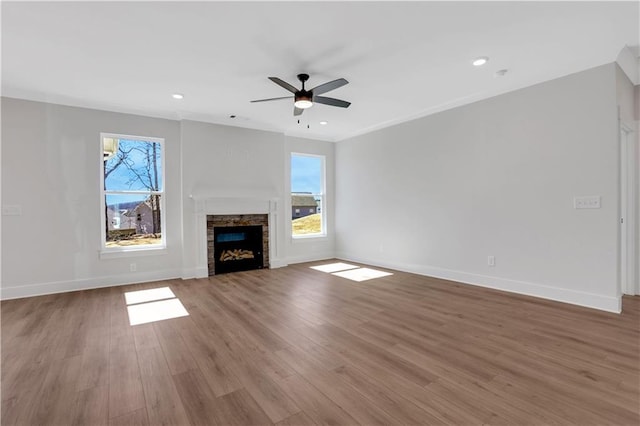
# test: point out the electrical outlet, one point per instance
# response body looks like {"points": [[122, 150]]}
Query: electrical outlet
{"points": [[133, 267], [491, 261]]}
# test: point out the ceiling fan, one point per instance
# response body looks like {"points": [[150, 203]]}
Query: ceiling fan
{"points": [[304, 99]]}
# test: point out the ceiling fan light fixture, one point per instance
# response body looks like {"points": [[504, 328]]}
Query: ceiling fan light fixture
{"points": [[303, 101], [303, 104]]}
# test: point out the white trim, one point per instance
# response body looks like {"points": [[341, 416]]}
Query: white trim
{"points": [[20, 291], [214, 204], [627, 248], [558, 294], [150, 250], [628, 63], [303, 237]]}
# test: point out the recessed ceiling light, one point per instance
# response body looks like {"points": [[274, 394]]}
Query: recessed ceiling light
{"points": [[324, 123], [478, 62], [177, 96]]}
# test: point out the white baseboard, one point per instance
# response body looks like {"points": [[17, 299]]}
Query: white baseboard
{"points": [[558, 294], [277, 263], [200, 272], [310, 258], [188, 273], [40, 289]]}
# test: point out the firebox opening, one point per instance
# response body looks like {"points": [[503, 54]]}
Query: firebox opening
{"points": [[237, 248], [231, 236]]}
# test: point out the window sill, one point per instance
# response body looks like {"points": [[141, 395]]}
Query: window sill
{"points": [[132, 252], [312, 237]]}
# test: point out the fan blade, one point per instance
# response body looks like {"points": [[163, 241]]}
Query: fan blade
{"points": [[324, 88], [331, 101], [297, 111], [273, 99], [284, 84]]}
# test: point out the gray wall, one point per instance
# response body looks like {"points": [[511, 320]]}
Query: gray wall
{"points": [[50, 168], [494, 178]]}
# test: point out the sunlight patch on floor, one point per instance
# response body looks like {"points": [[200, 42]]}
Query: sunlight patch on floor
{"points": [[334, 267], [351, 272], [153, 294], [156, 311], [155, 304], [362, 274]]}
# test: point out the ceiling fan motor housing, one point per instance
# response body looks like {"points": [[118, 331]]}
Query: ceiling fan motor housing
{"points": [[304, 95]]}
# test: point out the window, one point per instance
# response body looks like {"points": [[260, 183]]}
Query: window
{"points": [[132, 176], [307, 195]]}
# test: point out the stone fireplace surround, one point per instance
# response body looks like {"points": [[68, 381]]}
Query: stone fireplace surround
{"points": [[240, 204]]}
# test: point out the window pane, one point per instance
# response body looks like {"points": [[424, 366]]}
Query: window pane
{"points": [[132, 165], [304, 223], [306, 174], [132, 220]]}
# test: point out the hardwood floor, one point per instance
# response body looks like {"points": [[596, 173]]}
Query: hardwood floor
{"points": [[295, 346]]}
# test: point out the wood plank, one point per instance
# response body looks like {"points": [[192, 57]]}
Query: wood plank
{"points": [[402, 410], [92, 407], [55, 401], [176, 351], [314, 403], [134, 418], [125, 395], [164, 406], [266, 392], [299, 419], [200, 403], [239, 408]]}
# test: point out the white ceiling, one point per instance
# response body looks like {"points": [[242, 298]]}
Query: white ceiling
{"points": [[403, 60]]}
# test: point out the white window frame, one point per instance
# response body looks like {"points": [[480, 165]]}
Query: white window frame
{"points": [[142, 250], [321, 195]]}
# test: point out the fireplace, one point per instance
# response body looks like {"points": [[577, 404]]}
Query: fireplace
{"points": [[237, 248], [237, 243]]}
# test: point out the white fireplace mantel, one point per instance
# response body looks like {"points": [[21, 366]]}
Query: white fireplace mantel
{"points": [[218, 204]]}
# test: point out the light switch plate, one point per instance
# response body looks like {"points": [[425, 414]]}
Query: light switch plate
{"points": [[11, 210], [586, 202]]}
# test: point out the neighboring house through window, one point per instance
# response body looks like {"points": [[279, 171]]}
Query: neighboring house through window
{"points": [[307, 195], [132, 175]]}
